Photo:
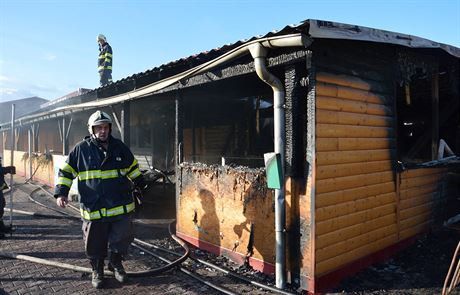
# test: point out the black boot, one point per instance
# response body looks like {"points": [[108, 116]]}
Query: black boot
{"points": [[4, 228], [2, 235], [117, 268], [98, 273]]}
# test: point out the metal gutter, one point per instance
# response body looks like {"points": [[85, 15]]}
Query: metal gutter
{"points": [[331, 30]]}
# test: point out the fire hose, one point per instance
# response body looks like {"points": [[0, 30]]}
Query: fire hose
{"points": [[149, 272]]}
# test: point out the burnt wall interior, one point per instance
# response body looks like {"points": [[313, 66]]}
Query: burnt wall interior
{"points": [[231, 119], [428, 104], [152, 122]]}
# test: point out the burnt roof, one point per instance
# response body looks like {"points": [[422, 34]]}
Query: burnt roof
{"points": [[316, 29], [313, 29]]}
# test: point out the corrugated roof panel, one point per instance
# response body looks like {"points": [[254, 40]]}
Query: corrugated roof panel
{"points": [[315, 29]]}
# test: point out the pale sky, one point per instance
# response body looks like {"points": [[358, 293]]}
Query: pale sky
{"points": [[48, 47]]}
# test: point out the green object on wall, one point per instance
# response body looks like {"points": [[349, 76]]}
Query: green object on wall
{"points": [[273, 170]]}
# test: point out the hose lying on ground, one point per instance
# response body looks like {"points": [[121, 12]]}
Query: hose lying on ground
{"points": [[149, 272], [140, 273], [41, 215]]}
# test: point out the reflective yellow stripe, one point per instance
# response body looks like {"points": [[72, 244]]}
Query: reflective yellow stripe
{"points": [[92, 174], [65, 181], [67, 168], [109, 174], [124, 171], [90, 215], [133, 164], [130, 207], [104, 68], [115, 211], [134, 174], [106, 174], [108, 55], [107, 212], [85, 175]]}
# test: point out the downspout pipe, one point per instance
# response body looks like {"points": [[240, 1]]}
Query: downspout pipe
{"points": [[259, 54]]}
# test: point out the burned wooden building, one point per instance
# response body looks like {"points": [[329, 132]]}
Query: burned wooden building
{"points": [[366, 123]]}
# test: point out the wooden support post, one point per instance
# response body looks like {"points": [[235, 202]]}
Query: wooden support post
{"points": [[192, 110], [179, 143], [16, 137], [117, 121], [35, 131], [179, 130], [125, 119], [29, 137], [5, 135], [435, 116], [63, 138], [307, 199]]}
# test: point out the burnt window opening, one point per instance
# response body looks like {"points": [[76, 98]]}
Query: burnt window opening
{"points": [[152, 123], [428, 111], [237, 131]]}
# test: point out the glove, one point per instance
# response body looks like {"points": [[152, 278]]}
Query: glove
{"points": [[140, 184], [9, 169]]}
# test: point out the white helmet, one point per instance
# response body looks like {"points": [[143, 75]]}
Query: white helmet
{"points": [[101, 37], [98, 118]]}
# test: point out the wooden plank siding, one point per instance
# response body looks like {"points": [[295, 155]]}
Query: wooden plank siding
{"points": [[355, 210], [358, 208], [420, 195]]}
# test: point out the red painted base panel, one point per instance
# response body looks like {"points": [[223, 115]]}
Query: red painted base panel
{"points": [[234, 256]]}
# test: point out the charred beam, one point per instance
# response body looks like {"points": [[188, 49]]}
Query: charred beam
{"points": [[235, 71]]}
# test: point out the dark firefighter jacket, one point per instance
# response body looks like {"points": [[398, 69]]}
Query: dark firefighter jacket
{"points": [[104, 178], [3, 185], [104, 62]]}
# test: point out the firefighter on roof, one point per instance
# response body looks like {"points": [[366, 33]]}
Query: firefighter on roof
{"points": [[104, 62]]}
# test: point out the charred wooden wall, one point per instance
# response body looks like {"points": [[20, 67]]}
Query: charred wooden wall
{"points": [[227, 211], [362, 205], [421, 200]]}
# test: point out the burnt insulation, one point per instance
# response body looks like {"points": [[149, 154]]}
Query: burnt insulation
{"points": [[295, 119], [253, 178]]}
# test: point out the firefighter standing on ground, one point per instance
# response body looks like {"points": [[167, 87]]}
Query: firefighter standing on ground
{"points": [[106, 171], [3, 186], [104, 63]]}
